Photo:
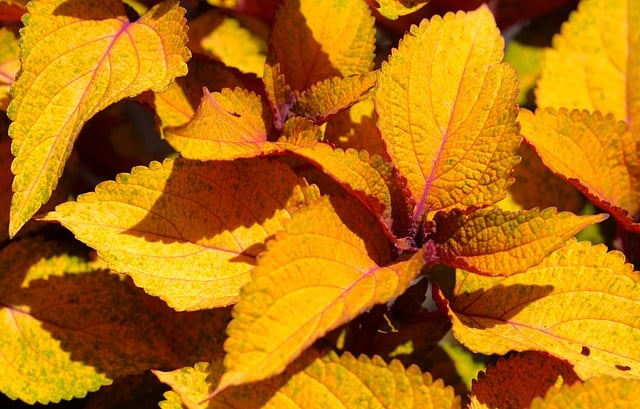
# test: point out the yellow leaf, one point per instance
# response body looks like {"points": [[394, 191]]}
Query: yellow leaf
{"points": [[177, 104], [595, 153], [314, 40], [227, 125], [603, 392], [580, 304], [496, 242], [77, 59], [321, 382], [447, 114], [330, 96], [514, 382], [594, 62], [187, 232], [315, 276], [235, 45], [392, 9], [9, 64]]}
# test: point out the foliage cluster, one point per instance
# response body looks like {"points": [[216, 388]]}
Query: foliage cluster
{"points": [[320, 203]]}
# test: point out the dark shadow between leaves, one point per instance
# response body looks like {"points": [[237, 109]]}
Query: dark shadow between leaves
{"points": [[303, 71], [482, 309], [255, 395], [106, 322], [78, 9], [201, 200]]}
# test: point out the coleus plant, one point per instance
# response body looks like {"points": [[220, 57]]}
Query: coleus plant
{"points": [[282, 254]]}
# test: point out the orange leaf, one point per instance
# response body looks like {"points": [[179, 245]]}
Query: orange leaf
{"points": [[599, 392], [316, 381], [330, 96], [447, 115], [392, 9], [9, 64], [77, 59], [314, 40], [593, 152], [315, 276], [369, 178], [514, 382], [496, 242], [227, 125], [537, 186], [177, 104], [187, 232], [594, 62], [563, 306]]}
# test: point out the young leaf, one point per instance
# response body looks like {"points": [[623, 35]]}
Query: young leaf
{"points": [[330, 96], [320, 382], [594, 62], [316, 275], [314, 40], [597, 392], [580, 304], [447, 114], [496, 242], [77, 59], [514, 382], [187, 232], [593, 152], [9, 64], [392, 9]]}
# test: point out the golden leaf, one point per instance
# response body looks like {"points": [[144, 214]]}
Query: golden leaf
{"points": [[448, 114], [580, 304], [316, 275], [187, 232], [77, 59]]}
